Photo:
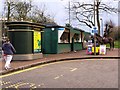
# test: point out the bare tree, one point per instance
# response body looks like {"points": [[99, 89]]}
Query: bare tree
{"points": [[16, 9], [116, 33], [25, 10], [22, 10], [111, 30], [83, 12], [9, 6], [39, 15]]}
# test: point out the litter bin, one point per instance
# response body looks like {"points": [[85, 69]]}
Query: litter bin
{"points": [[97, 49], [102, 49], [89, 49]]}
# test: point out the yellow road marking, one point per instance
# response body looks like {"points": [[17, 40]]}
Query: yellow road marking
{"points": [[20, 84], [14, 85], [29, 69], [17, 72], [40, 66]]}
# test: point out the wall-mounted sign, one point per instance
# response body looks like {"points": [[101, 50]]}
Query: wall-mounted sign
{"points": [[60, 32], [37, 42]]}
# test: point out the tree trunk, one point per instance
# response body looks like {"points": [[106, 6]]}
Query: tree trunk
{"points": [[97, 12], [8, 14]]}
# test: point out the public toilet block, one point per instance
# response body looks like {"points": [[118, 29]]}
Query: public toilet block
{"points": [[26, 38]]}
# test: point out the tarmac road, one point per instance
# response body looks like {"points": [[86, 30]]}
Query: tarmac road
{"points": [[66, 74]]}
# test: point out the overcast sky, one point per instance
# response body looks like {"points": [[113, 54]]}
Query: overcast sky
{"points": [[56, 8]]}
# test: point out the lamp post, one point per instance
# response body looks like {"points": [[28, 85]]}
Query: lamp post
{"points": [[101, 27], [94, 33], [69, 13], [69, 16]]}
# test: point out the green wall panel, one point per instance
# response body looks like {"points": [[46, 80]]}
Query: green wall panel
{"points": [[64, 47], [22, 41], [78, 46], [20, 27], [49, 41]]}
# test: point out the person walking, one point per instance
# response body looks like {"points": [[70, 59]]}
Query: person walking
{"points": [[8, 50]]}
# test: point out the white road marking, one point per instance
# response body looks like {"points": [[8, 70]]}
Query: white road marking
{"points": [[41, 85], [73, 69], [57, 77]]}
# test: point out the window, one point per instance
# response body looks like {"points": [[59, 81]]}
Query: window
{"points": [[65, 37]]}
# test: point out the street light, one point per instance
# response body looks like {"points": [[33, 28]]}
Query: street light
{"points": [[94, 33], [69, 16], [101, 27], [69, 13], [3, 26]]}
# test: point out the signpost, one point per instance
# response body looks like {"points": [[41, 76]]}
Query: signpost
{"points": [[94, 31]]}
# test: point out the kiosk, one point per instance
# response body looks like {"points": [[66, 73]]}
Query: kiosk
{"points": [[26, 38]]}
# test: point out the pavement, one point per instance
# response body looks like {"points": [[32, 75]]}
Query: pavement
{"points": [[49, 58]]}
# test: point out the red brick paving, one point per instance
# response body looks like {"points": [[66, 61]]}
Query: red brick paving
{"points": [[50, 57]]}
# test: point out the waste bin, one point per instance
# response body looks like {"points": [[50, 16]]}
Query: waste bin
{"points": [[102, 49], [89, 49], [97, 49]]}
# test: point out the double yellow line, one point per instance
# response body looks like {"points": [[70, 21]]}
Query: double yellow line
{"points": [[29, 69], [25, 70]]}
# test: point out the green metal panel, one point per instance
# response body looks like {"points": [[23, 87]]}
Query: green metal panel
{"points": [[20, 27], [87, 33], [49, 41], [64, 47], [72, 45], [78, 46], [22, 41], [72, 30]]}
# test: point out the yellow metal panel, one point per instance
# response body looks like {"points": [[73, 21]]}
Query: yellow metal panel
{"points": [[97, 49]]}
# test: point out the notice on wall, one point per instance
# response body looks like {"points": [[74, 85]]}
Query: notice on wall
{"points": [[60, 32], [37, 42], [102, 49]]}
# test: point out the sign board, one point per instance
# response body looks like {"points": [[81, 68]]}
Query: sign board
{"points": [[102, 49], [37, 42], [94, 30], [60, 32], [97, 50], [90, 41], [89, 49]]}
